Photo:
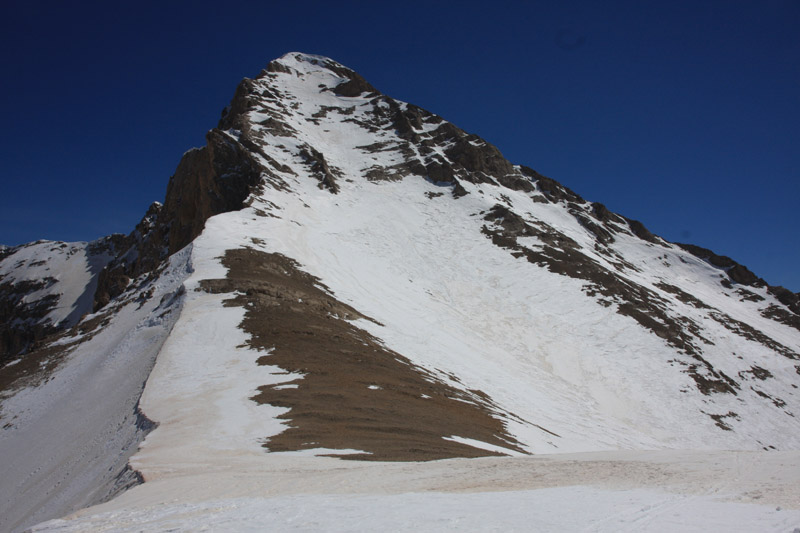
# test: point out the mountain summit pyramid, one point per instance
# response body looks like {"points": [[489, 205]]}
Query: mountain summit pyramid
{"points": [[338, 275]]}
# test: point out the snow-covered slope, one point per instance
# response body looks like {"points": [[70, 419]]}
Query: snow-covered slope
{"points": [[370, 282], [70, 418], [584, 331], [46, 286]]}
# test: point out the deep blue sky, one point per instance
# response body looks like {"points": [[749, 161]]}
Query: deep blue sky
{"points": [[682, 114]]}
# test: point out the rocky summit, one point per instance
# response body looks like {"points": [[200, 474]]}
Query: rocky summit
{"points": [[340, 288]]}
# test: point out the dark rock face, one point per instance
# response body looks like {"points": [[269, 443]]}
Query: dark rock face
{"points": [[736, 272], [21, 322], [215, 179], [640, 231], [139, 253], [111, 283], [354, 86], [478, 160], [602, 235], [211, 180], [467, 157], [553, 190], [321, 169], [786, 297], [24, 321], [234, 116], [276, 66]]}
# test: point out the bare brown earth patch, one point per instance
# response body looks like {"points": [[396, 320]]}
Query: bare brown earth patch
{"points": [[355, 393], [719, 420], [756, 372]]}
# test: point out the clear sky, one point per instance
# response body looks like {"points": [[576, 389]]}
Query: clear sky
{"points": [[682, 114]]}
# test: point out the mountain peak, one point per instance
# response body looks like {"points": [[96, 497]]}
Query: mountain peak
{"points": [[340, 273], [325, 72], [303, 62]]}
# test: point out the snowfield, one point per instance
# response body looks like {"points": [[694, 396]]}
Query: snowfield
{"points": [[606, 491]]}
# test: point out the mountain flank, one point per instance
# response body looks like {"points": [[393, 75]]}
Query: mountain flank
{"points": [[337, 275]]}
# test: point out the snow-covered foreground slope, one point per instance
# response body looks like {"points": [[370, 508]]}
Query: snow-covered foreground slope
{"points": [[393, 295], [604, 492], [67, 434]]}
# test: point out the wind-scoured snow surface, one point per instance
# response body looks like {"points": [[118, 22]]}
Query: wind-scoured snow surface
{"points": [[574, 328]]}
